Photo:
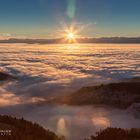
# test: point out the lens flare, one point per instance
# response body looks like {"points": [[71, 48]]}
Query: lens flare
{"points": [[61, 128], [71, 9]]}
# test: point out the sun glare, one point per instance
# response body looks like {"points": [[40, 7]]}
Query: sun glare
{"points": [[71, 35]]}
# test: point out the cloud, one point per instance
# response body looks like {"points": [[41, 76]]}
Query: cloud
{"points": [[36, 100], [101, 122], [48, 70], [12, 99], [7, 98], [5, 35]]}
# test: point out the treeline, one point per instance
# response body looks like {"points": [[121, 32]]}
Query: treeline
{"points": [[120, 95], [116, 134], [20, 129]]}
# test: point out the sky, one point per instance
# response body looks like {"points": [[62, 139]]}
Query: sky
{"points": [[45, 18]]}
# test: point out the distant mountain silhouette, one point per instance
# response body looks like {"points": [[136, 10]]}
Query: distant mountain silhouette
{"points": [[79, 40]]}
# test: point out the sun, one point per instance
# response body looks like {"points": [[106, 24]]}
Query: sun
{"points": [[71, 35]]}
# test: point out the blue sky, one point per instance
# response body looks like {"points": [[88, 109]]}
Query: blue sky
{"points": [[42, 18]]}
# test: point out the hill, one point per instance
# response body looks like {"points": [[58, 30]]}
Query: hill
{"points": [[122, 95], [116, 134], [19, 129]]}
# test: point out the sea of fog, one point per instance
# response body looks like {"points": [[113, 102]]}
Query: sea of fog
{"points": [[45, 71]]}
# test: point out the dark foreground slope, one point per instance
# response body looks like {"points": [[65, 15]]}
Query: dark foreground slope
{"points": [[20, 129], [116, 134], [121, 95]]}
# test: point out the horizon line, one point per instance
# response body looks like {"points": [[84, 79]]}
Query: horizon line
{"points": [[79, 40]]}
